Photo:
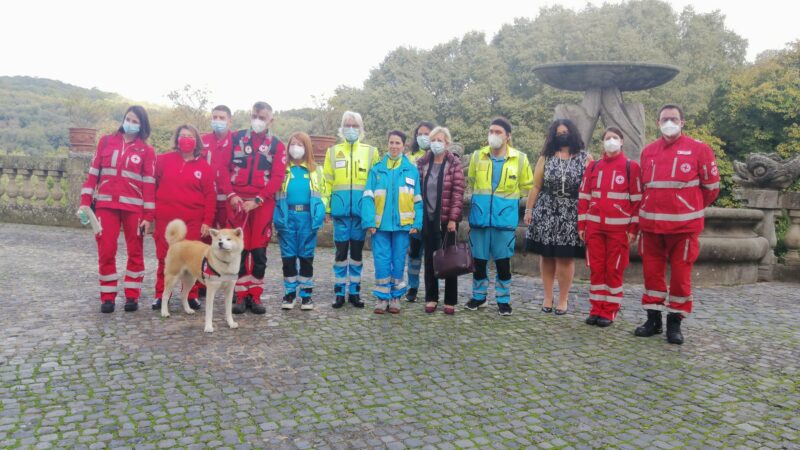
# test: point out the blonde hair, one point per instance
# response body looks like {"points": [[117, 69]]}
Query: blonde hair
{"points": [[441, 130], [309, 146]]}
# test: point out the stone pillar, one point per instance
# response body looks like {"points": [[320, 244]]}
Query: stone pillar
{"points": [[792, 239], [77, 169]]}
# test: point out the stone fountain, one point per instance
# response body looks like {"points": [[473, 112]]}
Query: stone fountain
{"points": [[603, 84]]}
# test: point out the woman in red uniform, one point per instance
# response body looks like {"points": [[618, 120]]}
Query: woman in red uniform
{"points": [[608, 221], [184, 190], [120, 184]]}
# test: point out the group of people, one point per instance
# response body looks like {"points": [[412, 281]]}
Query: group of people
{"points": [[410, 202]]}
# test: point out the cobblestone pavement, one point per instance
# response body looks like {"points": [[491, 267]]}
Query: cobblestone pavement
{"points": [[71, 377]]}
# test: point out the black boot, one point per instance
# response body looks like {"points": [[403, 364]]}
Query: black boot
{"points": [[653, 325], [240, 305], [674, 335], [107, 307], [411, 295], [338, 302], [131, 304], [355, 300], [591, 320]]}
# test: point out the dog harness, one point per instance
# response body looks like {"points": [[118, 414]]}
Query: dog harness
{"points": [[209, 274]]}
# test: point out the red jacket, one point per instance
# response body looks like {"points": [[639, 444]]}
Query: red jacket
{"points": [[121, 176], [452, 186], [609, 196], [184, 189], [258, 165], [218, 154], [680, 180]]}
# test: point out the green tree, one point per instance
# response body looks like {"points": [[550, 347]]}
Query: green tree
{"points": [[758, 109]]}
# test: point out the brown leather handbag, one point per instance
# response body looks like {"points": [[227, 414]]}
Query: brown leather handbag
{"points": [[453, 260]]}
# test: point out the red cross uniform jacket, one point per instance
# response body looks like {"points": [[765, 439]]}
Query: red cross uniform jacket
{"points": [[184, 189], [258, 165], [680, 180], [217, 153], [609, 196], [121, 176]]}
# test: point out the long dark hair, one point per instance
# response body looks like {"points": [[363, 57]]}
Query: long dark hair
{"points": [[425, 123], [575, 141], [144, 122]]}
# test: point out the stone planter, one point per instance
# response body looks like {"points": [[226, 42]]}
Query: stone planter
{"points": [[321, 145], [83, 140], [730, 251]]}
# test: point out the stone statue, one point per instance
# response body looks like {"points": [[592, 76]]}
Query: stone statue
{"points": [[767, 171], [603, 84]]}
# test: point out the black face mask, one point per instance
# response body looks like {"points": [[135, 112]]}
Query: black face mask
{"points": [[562, 140]]}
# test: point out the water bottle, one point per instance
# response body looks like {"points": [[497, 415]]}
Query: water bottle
{"points": [[84, 218]]}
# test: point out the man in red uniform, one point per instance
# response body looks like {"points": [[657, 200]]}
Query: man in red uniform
{"points": [[217, 151], [681, 179], [257, 170]]}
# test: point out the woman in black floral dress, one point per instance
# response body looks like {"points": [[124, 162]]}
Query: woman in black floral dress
{"points": [[552, 210]]}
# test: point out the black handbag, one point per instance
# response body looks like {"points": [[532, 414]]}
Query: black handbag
{"points": [[453, 260]]}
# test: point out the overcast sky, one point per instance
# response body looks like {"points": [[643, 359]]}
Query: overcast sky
{"points": [[283, 52]]}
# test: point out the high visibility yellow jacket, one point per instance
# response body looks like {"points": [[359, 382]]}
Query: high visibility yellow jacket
{"points": [[345, 171], [498, 208]]}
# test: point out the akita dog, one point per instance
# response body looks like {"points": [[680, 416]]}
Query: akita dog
{"points": [[216, 266]]}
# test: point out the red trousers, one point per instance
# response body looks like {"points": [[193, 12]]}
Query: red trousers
{"points": [[112, 220], [192, 234], [681, 251], [607, 255], [257, 228]]}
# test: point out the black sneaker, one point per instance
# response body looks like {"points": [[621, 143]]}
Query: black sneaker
{"points": [[240, 306], [504, 309], [107, 307], [156, 305], [256, 307], [355, 300], [194, 304], [288, 301], [339, 302], [473, 304], [306, 304], [131, 304], [411, 295]]}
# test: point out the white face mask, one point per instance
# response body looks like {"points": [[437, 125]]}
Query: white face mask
{"points": [[670, 129], [297, 151], [612, 146], [258, 125], [495, 141]]}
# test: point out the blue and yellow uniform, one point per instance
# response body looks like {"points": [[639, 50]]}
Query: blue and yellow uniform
{"points": [[345, 172], [497, 185], [299, 214], [393, 206]]}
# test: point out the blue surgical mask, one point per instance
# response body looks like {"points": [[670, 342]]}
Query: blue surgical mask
{"points": [[219, 126], [424, 142], [351, 134], [130, 127], [437, 147]]}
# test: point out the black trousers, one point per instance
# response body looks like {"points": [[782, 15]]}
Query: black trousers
{"points": [[432, 234]]}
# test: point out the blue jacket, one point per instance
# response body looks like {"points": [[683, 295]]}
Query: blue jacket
{"points": [[497, 208], [392, 200], [317, 205]]}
